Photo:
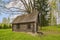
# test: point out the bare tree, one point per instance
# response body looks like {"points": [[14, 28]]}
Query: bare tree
{"points": [[29, 5]]}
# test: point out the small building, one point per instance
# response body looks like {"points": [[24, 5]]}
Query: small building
{"points": [[26, 23]]}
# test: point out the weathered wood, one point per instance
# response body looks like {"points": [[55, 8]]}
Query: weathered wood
{"points": [[24, 24], [33, 28]]}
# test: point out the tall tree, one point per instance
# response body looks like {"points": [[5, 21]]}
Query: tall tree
{"points": [[42, 7], [8, 20], [4, 20], [29, 5], [53, 8]]}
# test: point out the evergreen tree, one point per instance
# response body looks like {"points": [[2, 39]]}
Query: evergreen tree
{"points": [[42, 7]]}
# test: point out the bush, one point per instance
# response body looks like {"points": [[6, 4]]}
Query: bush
{"points": [[58, 26], [0, 27], [5, 26]]}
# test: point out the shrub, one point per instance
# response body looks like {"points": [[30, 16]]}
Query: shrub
{"points": [[0, 27], [5, 26], [58, 26]]}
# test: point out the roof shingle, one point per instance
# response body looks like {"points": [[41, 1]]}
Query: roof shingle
{"points": [[26, 18]]}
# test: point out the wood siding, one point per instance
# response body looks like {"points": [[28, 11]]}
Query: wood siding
{"points": [[24, 27]]}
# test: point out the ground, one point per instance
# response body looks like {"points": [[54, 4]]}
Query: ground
{"points": [[50, 33], [51, 30]]}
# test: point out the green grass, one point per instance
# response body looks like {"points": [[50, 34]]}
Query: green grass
{"points": [[51, 28], [51, 37], [7, 34]]}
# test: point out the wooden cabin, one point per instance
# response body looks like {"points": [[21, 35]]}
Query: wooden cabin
{"points": [[26, 23]]}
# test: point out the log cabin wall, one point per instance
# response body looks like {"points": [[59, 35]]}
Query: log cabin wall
{"points": [[28, 27]]}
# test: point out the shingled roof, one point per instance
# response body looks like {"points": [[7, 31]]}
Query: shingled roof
{"points": [[26, 18]]}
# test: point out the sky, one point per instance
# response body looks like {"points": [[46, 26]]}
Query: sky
{"points": [[4, 15], [9, 4], [6, 1]]}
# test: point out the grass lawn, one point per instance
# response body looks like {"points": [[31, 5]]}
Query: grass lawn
{"points": [[7, 34], [51, 28]]}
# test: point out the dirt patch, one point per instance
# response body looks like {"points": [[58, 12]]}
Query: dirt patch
{"points": [[51, 32], [33, 34]]}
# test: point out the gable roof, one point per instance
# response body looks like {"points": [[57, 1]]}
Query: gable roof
{"points": [[26, 18]]}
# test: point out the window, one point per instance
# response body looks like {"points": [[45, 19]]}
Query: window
{"points": [[29, 26], [18, 26]]}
